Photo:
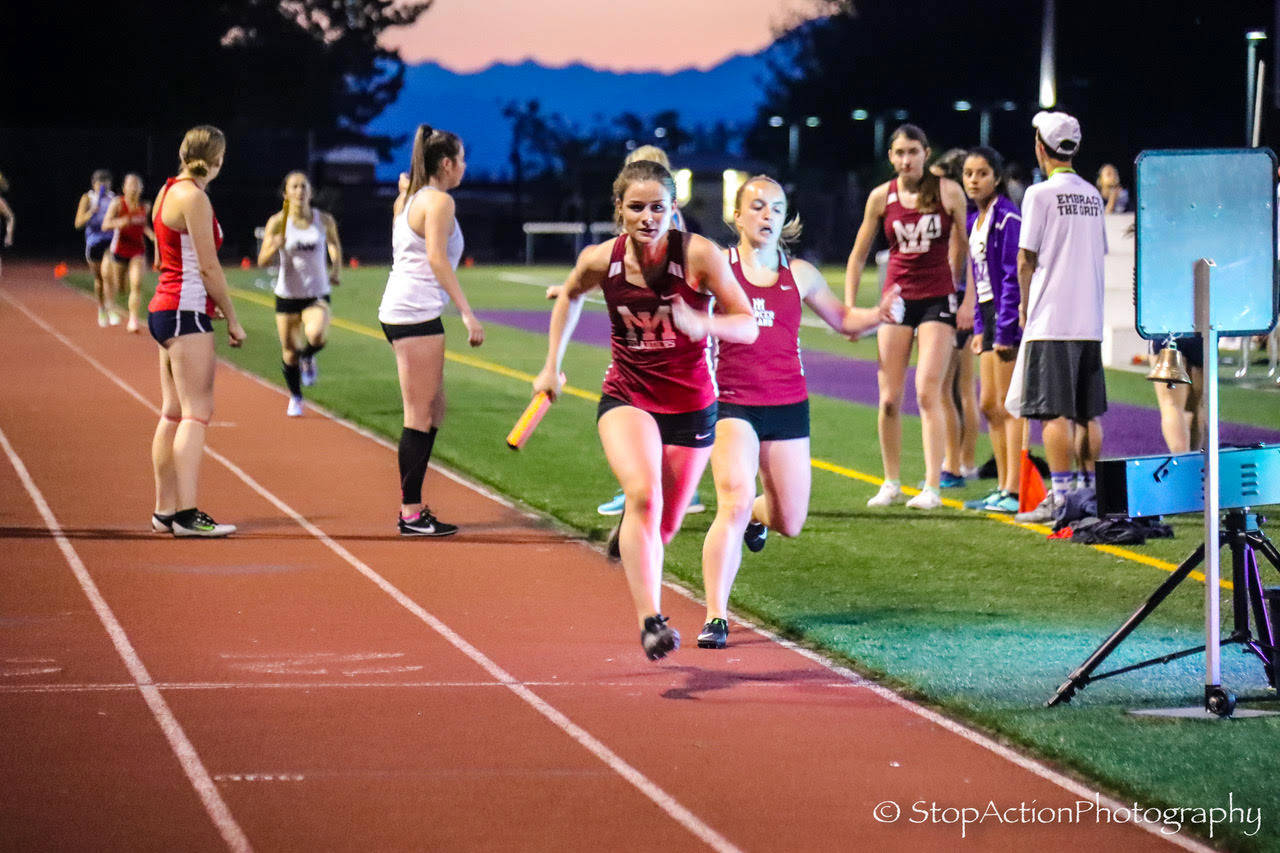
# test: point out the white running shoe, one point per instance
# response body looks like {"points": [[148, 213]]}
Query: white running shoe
{"points": [[113, 318], [927, 499], [102, 317], [888, 494], [295, 407], [132, 327], [1042, 514]]}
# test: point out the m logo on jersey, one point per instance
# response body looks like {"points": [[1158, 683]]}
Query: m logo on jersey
{"points": [[647, 330], [764, 317], [914, 238]]}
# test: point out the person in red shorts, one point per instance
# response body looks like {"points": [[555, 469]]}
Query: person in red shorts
{"points": [[924, 220], [657, 413], [130, 217], [763, 420]]}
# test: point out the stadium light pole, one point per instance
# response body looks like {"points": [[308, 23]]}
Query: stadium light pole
{"points": [[793, 136], [1048, 35], [1251, 41]]}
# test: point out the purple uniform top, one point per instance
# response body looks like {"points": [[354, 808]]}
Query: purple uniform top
{"points": [[993, 254]]}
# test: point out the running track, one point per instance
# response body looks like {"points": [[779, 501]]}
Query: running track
{"points": [[316, 683]]}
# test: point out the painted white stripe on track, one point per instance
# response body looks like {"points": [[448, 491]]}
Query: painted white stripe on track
{"points": [[973, 736], [205, 788], [659, 797]]}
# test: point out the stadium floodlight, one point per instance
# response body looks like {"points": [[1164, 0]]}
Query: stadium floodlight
{"points": [[660, 132], [1008, 106], [812, 121], [684, 186], [900, 115], [962, 106], [775, 121], [1255, 35], [859, 115]]}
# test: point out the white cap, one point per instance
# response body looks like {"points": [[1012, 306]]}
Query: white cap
{"points": [[1059, 131]]}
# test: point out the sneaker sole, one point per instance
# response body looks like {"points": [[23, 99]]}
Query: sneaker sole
{"points": [[711, 644], [186, 533], [435, 534]]}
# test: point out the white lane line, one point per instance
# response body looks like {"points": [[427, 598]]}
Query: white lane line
{"points": [[657, 795], [176, 686], [186, 753]]}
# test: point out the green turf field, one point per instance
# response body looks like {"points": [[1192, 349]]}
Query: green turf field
{"points": [[980, 618]]}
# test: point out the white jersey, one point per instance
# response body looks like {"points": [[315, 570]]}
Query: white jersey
{"points": [[413, 293], [1062, 223], [304, 271]]}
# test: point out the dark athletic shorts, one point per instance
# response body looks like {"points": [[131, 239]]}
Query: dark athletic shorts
{"points": [[395, 332], [286, 305], [1192, 349], [124, 259], [94, 252], [167, 325], [772, 423], [1063, 379], [683, 429], [988, 312], [934, 309]]}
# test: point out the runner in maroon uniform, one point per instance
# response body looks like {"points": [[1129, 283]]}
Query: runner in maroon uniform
{"points": [[924, 219], [129, 216], [764, 405], [657, 414]]}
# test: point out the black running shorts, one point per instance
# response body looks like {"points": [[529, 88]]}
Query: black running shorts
{"points": [[772, 423], [682, 429]]}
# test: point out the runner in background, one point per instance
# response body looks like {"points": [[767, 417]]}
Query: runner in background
{"points": [[310, 259], [90, 212], [657, 412], [763, 422], [6, 212], [130, 218]]}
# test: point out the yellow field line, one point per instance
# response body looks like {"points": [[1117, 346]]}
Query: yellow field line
{"points": [[820, 464]]}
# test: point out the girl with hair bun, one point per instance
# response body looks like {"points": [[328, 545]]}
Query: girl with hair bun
{"points": [[924, 217], [192, 289], [657, 413], [427, 245], [763, 421]]}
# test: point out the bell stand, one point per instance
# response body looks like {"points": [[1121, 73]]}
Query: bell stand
{"points": [[1242, 533]]}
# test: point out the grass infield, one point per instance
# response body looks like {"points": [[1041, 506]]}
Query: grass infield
{"points": [[970, 614]]}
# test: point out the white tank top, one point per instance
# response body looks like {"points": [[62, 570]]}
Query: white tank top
{"points": [[413, 293], [303, 261]]}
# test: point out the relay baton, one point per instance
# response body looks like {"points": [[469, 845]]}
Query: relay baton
{"points": [[528, 421]]}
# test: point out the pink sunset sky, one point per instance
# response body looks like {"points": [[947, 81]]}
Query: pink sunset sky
{"points": [[653, 35]]}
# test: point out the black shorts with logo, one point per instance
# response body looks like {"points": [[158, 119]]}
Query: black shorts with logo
{"points": [[289, 305], [932, 309], [682, 429], [772, 423]]}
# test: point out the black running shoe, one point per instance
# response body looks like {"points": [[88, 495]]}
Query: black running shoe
{"points": [[161, 523], [657, 639], [715, 634], [426, 524], [754, 536], [199, 525], [613, 546]]}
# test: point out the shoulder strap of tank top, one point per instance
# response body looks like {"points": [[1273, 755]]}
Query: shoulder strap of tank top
{"points": [[617, 256], [675, 254], [168, 185], [783, 262]]}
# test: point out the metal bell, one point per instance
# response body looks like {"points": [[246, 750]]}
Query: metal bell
{"points": [[1170, 367]]}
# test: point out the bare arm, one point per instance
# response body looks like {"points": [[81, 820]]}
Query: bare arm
{"points": [[112, 219], [588, 273], [431, 215], [7, 212], [958, 250], [272, 239], [334, 245], [197, 213], [734, 320], [840, 317], [84, 211], [1027, 261], [871, 217]]}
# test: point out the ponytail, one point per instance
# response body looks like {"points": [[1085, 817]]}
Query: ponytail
{"points": [[430, 148]]}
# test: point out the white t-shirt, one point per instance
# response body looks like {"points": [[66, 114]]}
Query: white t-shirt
{"points": [[413, 293], [1062, 224]]}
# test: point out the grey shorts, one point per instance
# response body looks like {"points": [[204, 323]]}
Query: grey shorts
{"points": [[1063, 379]]}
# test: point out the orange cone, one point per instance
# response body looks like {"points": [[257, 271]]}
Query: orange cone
{"points": [[60, 270], [244, 264], [1030, 486]]}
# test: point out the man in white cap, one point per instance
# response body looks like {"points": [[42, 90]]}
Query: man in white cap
{"points": [[1060, 257]]}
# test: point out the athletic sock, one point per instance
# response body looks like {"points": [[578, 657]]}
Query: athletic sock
{"points": [[292, 377], [1062, 481], [1087, 479], [414, 454], [311, 349]]}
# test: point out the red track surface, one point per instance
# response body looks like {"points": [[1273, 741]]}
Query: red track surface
{"points": [[344, 689]]}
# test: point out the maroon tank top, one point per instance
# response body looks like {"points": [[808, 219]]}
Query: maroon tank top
{"points": [[768, 372], [918, 243], [654, 366]]}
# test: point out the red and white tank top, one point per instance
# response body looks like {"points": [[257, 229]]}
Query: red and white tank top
{"points": [[127, 242], [654, 366], [768, 372], [181, 288], [918, 261]]}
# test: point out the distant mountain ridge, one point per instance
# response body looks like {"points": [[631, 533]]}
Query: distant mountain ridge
{"points": [[471, 104]]}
